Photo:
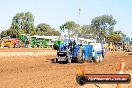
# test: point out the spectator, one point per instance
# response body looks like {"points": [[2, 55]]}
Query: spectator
{"points": [[16, 43], [29, 44], [25, 44], [2, 44]]}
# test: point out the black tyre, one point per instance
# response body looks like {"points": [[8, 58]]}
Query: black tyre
{"points": [[56, 60], [80, 55], [55, 47]]}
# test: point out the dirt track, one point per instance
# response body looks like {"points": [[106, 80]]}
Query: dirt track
{"points": [[37, 71]]}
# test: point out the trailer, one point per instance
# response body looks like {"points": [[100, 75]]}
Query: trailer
{"points": [[98, 52]]}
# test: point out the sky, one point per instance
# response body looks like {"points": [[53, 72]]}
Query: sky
{"points": [[57, 12]]}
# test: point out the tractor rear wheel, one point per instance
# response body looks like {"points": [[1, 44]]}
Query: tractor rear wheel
{"points": [[56, 60], [80, 55]]}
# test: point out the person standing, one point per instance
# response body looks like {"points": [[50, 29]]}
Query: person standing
{"points": [[111, 47], [2, 44], [29, 44], [25, 43], [16, 42]]}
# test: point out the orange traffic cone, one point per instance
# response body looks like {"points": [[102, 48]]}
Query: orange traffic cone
{"points": [[122, 65], [118, 85], [81, 71]]}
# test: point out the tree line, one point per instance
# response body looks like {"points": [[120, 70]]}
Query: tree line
{"points": [[101, 27], [23, 23]]}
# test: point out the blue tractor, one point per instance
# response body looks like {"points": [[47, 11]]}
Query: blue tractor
{"points": [[72, 52]]}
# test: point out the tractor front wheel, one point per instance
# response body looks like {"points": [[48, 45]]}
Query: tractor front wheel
{"points": [[56, 60], [69, 60]]}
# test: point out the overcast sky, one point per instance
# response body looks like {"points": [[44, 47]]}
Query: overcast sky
{"points": [[56, 12]]}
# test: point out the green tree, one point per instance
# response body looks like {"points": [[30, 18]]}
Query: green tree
{"points": [[45, 29], [103, 25], [71, 27], [86, 30], [23, 21], [17, 21], [116, 36], [122, 35], [28, 22], [4, 33]]}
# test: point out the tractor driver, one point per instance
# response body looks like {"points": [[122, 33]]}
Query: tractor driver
{"points": [[72, 44]]}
